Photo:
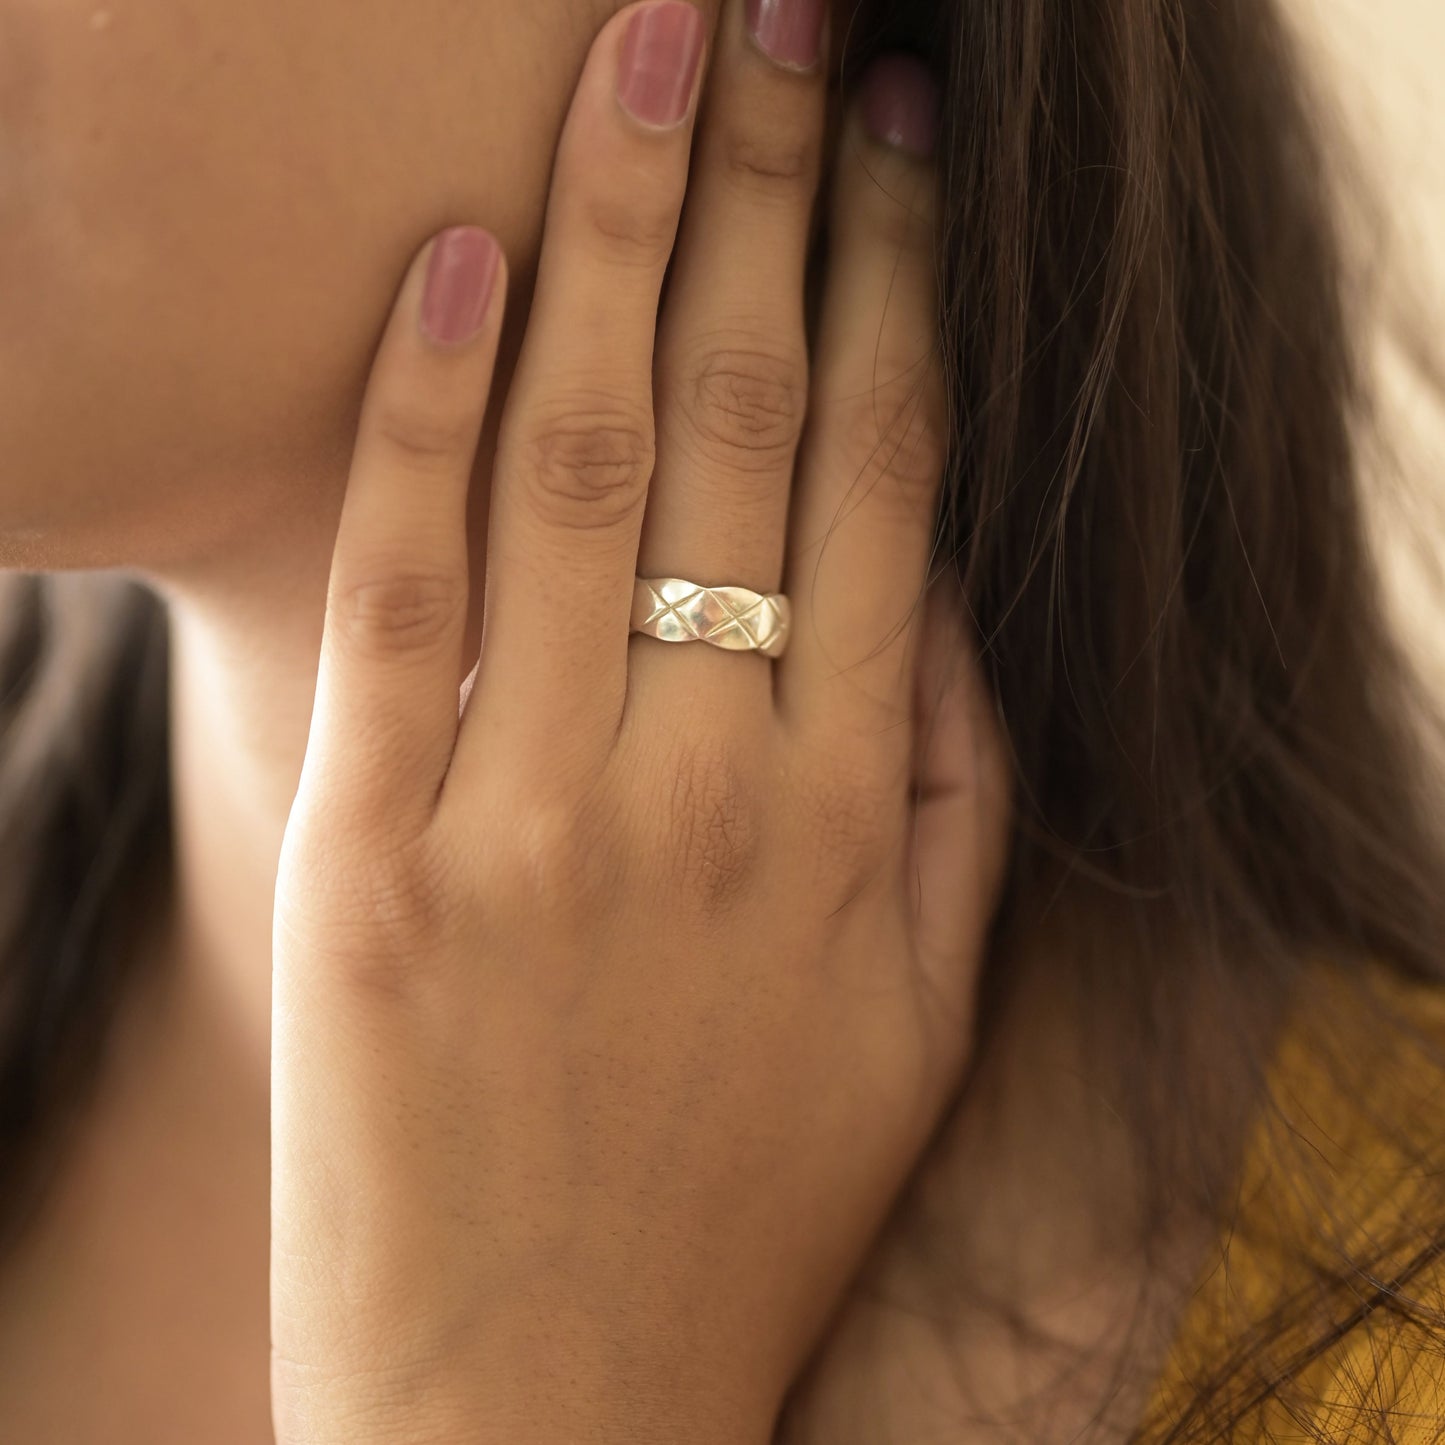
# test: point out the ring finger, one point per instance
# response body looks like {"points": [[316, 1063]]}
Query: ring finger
{"points": [[575, 443], [731, 371]]}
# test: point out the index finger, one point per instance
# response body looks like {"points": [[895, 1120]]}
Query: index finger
{"points": [[385, 713]]}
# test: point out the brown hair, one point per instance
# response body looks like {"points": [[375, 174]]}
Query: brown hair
{"points": [[1153, 505], [84, 812]]}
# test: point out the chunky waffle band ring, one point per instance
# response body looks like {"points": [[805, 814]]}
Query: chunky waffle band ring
{"points": [[740, 620]]}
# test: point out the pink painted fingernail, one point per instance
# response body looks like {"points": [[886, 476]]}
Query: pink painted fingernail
{"points": [[899, 100], [788, 31], [658, 62], [459, 281]]}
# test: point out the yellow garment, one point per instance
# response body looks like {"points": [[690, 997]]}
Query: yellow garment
{"points": [[1340, 1227]]}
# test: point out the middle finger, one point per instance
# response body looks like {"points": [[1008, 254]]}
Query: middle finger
{"points": [[730, 376]]}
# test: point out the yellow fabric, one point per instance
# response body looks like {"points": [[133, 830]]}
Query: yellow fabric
{"points": [[1342, 1195]]}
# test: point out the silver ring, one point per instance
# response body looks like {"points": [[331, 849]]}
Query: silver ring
{"points": [[736, 618]]}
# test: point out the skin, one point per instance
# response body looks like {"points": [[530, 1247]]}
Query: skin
{"points": [[654, 975], [227, 161], [217, 352]]}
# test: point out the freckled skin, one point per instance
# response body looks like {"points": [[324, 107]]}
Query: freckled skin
{"points": [[205, 210]]}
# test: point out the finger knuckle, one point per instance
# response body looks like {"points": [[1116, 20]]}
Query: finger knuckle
{"points": [[555, 862], [899, 434], [372, 913], [630, 232], [713, 830], [589, 465], [748, 405], [781, 161], [401, 899], [849, 813], [424, 439], [384, 610], [901, 213]]}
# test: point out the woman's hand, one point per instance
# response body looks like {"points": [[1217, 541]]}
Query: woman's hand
{"points": [[611, 1014]]}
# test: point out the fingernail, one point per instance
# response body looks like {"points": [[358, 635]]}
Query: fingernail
{"points": [[899, 99], [459, 281], [658, 64], [788, 31]]}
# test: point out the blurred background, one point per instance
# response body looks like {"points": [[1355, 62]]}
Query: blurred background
{"points": [[1383, 64]]}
